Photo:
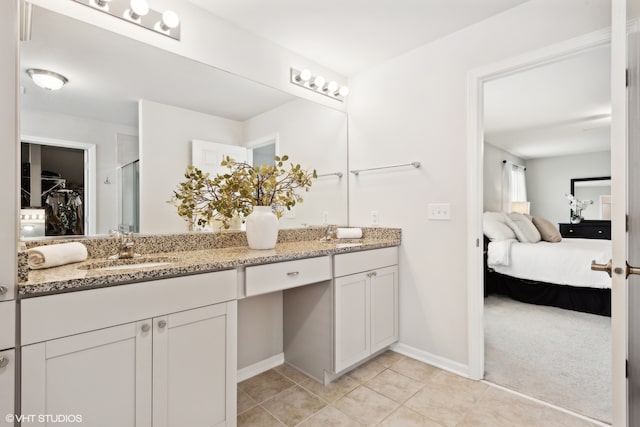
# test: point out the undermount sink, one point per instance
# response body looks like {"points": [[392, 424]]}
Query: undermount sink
{"points": [[129, 264]]}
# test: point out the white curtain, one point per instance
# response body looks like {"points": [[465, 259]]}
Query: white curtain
{"points": [[514, 185]]}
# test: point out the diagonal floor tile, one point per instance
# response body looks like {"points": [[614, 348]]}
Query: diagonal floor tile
{"points": [[330, 416], [393, 385], [415, 369], [257, 417], [366, 406], [264, 386], [405, 417], [332, 391], [293, 405]]}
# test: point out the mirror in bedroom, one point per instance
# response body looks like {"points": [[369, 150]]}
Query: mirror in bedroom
{"points": [[107, 149], [596, 193]]}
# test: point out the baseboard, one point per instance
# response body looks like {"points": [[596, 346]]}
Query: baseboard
{"points": [[431, 359], [260, 367]]}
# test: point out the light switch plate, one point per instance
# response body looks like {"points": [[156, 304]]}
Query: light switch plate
{"points": [[439, 211]]}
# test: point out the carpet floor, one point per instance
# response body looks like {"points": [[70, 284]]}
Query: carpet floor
{"points": [[559, 356]]}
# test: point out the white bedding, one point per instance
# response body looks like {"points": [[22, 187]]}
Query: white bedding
{"points": [[565, 263]]}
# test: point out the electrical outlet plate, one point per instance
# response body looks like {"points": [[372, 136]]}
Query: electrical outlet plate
{"points": [[375, 218], [439, 211]]}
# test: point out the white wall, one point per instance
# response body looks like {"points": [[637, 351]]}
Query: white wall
{"points": [[103, 135], [549, 179], [315, 137], [414, 108], [166, 133], [493, 157]]}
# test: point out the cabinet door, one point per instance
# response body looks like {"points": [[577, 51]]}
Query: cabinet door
{"points": [[102, 376], [194, 367], [7, 386], [352, 326], [384, 307]]}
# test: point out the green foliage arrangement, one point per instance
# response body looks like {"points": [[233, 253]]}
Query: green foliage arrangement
{"points": [[203, 199]]}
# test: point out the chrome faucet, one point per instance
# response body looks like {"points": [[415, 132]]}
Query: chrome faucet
{"points": [[127, 245], [329, 234]]}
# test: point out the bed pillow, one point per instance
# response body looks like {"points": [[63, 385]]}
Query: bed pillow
{"points": [[495, 227], [548, 231], [523, 228]]}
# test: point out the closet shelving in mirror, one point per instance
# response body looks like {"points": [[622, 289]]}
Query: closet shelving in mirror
{"points": [[138, 12]]}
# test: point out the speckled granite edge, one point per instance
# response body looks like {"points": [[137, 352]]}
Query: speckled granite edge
{"points": [[81, 276], [103, 246]]}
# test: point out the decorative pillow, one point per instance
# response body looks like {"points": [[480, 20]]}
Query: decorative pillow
{"points": [[495, 228], [548, 231], [523, 228]]}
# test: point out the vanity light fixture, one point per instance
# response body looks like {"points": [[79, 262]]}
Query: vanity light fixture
{"points": [[138, 12], [46, 79], [318, 84]]}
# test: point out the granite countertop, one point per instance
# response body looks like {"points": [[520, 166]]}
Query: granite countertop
{"points": [[81, 276]]}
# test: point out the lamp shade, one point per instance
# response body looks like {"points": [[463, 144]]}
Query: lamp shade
{"points": [[521, 207]]}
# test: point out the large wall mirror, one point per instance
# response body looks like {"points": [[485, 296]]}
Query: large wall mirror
{"points": [[596, 189], [121, 131]]}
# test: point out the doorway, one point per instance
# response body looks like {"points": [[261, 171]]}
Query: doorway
{"points": [[476, 197], [57, 188]]}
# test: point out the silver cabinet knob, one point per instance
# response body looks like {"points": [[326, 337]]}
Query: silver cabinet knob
{"points": [[3, 361], [3, 290], [293, 273], [145, 327], [162, 324]]}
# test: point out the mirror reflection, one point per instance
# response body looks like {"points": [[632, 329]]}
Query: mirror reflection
{"points": [[599, 191], [133, 112]]}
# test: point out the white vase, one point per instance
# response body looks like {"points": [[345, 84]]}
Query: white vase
{"points": [[262, 228]]}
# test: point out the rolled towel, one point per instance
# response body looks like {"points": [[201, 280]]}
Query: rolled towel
{"points": [[54, 255], [349, 233]]}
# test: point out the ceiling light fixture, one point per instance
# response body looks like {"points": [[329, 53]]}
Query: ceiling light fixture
{"points": [[47, 79], [139, 13], [318, 84]]}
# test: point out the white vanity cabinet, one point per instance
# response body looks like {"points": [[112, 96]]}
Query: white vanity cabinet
{"points": [[365, 304], [159, 353], [7, 385]]}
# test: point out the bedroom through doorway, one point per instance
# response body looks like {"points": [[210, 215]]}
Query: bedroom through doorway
{"points": [[546, 198]]}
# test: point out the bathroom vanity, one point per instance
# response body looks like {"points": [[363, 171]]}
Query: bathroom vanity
{"points": [[157, 345]]}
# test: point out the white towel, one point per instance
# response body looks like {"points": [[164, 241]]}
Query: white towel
{"points": [[54, 255], [349, 233]]}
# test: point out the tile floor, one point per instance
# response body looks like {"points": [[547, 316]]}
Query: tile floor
{"points": [[390, 390]]}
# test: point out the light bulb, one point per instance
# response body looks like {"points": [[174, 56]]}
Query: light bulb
{"points": [[169, 20], [102, 3], [318, 82], [305, 75], [343, 91], [138, 9], [331, 87]]}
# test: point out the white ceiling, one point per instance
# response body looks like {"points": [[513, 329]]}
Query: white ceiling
{"points": [[350, 36], [557, 109], [109, 73]]}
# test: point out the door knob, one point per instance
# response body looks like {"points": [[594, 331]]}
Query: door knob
{"points": [[145, 327], [631, 270], [162, 324], [3, 290], [3, 361], [602, 267]]}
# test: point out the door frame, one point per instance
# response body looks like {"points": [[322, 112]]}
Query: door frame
{"points": [[90, 166], [475, 177]]}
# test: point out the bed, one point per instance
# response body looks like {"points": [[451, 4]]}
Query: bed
{"points": [[554, 274]]}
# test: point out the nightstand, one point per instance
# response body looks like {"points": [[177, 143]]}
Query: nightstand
{"points": [[590, 229]]}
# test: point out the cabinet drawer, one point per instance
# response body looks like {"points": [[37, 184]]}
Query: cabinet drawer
{"points": [[356, 262], [8, 322], [586, 231], [54, 316], [262, 279]]}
